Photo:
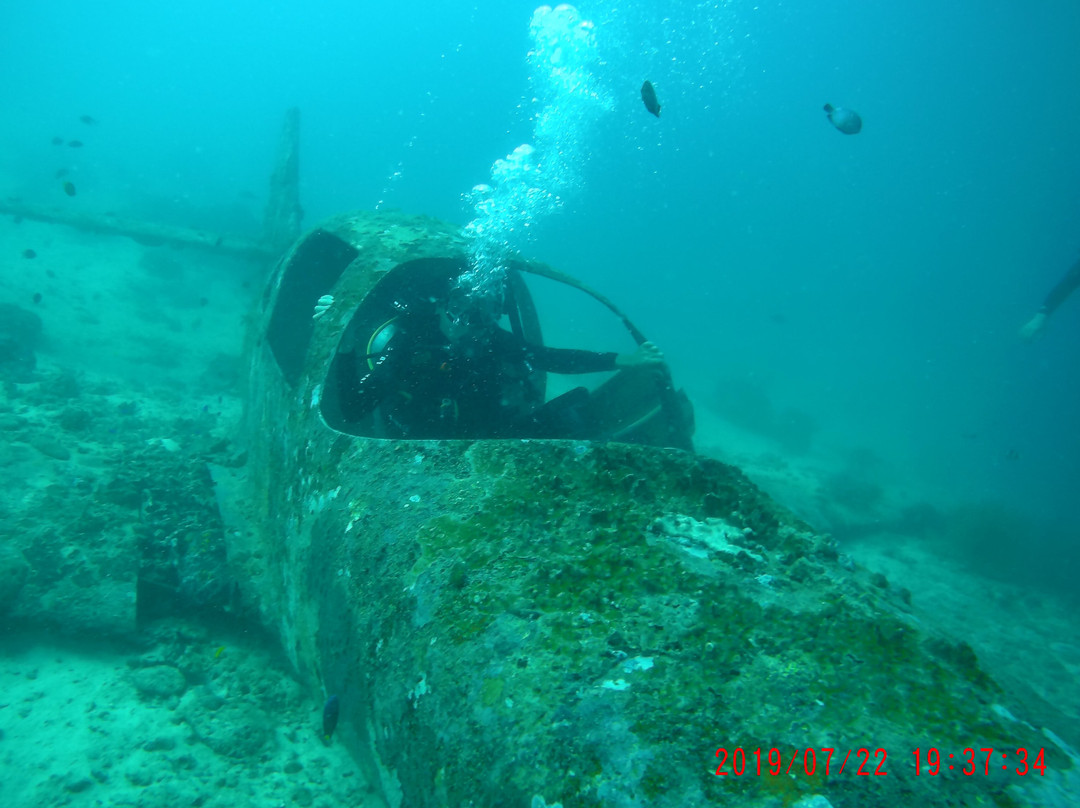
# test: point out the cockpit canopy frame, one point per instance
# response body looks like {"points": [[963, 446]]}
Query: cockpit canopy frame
{"points": [[373, 263]]}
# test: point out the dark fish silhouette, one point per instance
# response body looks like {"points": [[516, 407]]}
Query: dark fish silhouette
{"points": [[58, 141], [62, 172], [69, 188], [648, 95], [29, 254], [330, 713], [75, 144], [87, 120], [846, 120]]}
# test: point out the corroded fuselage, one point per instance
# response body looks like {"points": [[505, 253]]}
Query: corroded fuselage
{"points": [[529, 622]]}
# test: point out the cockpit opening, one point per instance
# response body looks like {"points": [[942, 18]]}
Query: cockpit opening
{"points": [[411, 364]]}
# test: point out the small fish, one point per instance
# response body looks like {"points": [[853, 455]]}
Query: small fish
{"points": [[29, 254], [37, 297], [648, 95], [62, 172], [75, 144], [88, 120], [69, 188], [58, 141], [330, 713], [846, 120], [219, 652]]}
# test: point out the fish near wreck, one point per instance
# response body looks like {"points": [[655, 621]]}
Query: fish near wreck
{"points": [[846, 120], [620, 609], [330, 713], [648, 95]]}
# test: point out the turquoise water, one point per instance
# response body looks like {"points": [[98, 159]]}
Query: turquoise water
{"points": [[873, 284], [843, 310]]}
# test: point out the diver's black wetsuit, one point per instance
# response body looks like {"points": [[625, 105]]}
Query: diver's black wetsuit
{"points": [[426, 387], [1065, 287]]}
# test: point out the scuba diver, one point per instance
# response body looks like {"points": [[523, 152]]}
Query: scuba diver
{"points": [[447, 369], [1065, 287]]}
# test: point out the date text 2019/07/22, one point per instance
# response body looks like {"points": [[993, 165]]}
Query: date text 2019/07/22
{"points": [[932, 761]]}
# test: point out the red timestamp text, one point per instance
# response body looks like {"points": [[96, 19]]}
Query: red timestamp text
{"points": [[866, 762], [826, 760], [983, 760]]}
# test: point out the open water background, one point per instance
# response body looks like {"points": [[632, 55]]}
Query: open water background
{"points": [[874, 283]]}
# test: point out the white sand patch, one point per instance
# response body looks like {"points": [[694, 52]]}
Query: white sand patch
{"points": [[112, 307], [75, 730]]}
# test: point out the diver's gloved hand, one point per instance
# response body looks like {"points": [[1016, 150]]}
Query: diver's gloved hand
{"points": [[647, 355], [323, 306], [1033, 327]]}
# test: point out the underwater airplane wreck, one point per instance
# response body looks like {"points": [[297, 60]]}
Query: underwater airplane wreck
{"points": [[539, 622], [524, 622]]}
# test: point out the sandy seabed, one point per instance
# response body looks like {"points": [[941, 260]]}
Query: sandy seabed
{"points": [[203, 712], [195, 718]]}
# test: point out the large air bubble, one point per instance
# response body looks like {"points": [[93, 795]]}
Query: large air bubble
{"points": [[532, 181]]}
